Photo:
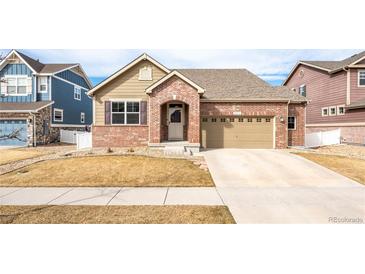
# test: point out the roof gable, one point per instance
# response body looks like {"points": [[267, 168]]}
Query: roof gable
{"points": [[330, 66], [179, 75], [46, 69], [139, 59], [32, 64]]}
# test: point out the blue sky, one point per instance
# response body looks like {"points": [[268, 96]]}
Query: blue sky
{"points": [[272, 65]]}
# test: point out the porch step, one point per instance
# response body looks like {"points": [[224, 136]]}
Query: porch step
{"points": [[174, 150]]}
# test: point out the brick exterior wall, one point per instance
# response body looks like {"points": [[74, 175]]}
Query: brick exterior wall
{"points": [[296, 137], [119, 136], [352, 134], [174, 90], [261, 109], [177, 90]]}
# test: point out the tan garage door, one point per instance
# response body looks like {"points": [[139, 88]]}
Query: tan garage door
{"points": [[237, 132]]}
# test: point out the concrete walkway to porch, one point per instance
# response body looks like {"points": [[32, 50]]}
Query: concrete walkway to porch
{"points": [[109, 196]]}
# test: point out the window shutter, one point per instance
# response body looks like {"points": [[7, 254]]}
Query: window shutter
{"points": [[29, 85], [143, 112], [3, 86], [107, 112]]}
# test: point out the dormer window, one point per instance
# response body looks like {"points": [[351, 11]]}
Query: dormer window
{"points": [[145, 74]]}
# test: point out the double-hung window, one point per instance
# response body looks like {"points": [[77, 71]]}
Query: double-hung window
{"points": [[292, 123], [361, 78], [303, 90], [16, 85], [77, 93], [42, 84], [11, 88], [58, 115], [125, 113]]}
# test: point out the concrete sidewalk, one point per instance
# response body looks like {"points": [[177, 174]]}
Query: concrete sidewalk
{"points": [[109, 196]]}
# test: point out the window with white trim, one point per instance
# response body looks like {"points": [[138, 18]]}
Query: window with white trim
{"points": [[340, 110], [125, 113], [58, 115], [82, 117], [42, 84], [325, 111], [77, 93], [361, 76], [145, 74], [332, 111], [16, 85], [292, 123], [303, 90]]}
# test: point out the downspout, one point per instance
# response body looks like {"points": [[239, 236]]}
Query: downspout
{"points": [[287, 131], [34, 143]]}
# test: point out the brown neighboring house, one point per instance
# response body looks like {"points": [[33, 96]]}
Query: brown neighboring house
{"points": [[147, 104], [336, 94]]}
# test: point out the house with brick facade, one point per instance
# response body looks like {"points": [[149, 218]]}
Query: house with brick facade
{"points": [[336, 95], [147, 104], [37, 100]]}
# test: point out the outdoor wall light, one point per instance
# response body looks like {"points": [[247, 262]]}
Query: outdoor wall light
{"points": [[281, 119]]}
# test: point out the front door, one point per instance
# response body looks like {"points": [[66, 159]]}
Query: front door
{"points": [[176, 127]]}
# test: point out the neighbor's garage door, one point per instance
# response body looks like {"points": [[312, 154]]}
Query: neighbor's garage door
{"points": [[237, 132], [13, 132]]}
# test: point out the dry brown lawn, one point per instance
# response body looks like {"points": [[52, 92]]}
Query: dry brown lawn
{"points": [[132, 171], [115, 215], [350, 167], [12, 155]]}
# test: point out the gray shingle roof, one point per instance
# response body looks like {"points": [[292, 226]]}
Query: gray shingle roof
{"points": [[335, 65], [51, 68], [26, 107], [237, 84], [43, 68]]}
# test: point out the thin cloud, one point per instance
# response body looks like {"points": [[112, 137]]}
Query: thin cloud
{"points": [[270, 65]]}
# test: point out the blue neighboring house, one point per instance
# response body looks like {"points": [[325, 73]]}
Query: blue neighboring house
{"points": [[37, 100]]}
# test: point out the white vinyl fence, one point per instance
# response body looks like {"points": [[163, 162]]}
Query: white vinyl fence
{"points": [[323, 138], [68, 136], [80, 138], [84, 140]]}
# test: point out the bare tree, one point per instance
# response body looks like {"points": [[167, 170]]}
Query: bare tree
{"points": [[15, 134]]}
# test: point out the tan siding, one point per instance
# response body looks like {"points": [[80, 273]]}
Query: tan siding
{"points": [[126, 85], [324, 90]]}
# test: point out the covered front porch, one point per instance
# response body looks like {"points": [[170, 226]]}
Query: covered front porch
{"points": [[174, 111]]}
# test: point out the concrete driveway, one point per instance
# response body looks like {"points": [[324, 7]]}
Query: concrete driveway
{"points": [[274, 186]]}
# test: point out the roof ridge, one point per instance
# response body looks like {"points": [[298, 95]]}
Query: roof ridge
{"points": [[212, 68]]}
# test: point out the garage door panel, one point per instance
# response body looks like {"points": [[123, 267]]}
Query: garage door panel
{"points": [[239, 133], [13, 133]]}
